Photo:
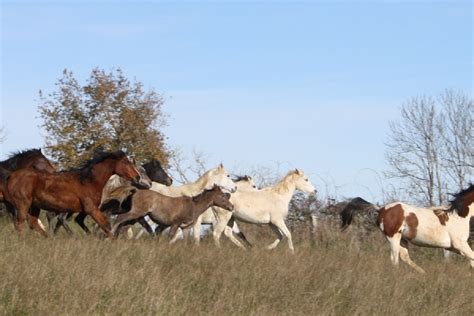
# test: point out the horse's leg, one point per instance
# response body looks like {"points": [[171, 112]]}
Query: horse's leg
{"points": [[395, 247], [173, 234], [464, 249], [50, 217], [91, 209], [283, 229], [279, 236], [229, 234], [235, 228], [222, 220], [406, 257], [80, 218], [11, 210], [62, 221], [447, 255], [146, 226], [196, 230], [121, 221], [33, 221]]}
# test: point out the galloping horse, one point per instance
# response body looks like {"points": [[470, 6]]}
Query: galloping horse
{"points": [[216, 176], [213, 216], [173, 212], [77, 190], [268, 206], [33, 158], [446, 228]]}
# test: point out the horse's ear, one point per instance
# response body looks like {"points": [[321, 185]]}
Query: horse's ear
{"points": [[221, 166], [297, 171]]}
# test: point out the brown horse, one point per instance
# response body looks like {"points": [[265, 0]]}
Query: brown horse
{"points": [[172, 211], [33, 158], [75, 191]]}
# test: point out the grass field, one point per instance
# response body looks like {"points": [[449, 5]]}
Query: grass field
{"points": [[330, 273]]}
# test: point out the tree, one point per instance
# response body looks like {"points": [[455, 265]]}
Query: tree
{"points": [[430, 147], [108, 113], [457, 132]]}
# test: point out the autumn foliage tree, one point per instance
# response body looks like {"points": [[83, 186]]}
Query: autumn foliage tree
{"points": [[109, 112]]}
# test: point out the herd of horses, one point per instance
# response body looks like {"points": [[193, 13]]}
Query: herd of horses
{"points": [[118, 193]]}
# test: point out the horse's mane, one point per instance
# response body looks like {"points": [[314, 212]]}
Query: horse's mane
{"points": [[85, 170], [458, 202], [283, 186], [241, 178], [12, 162]]}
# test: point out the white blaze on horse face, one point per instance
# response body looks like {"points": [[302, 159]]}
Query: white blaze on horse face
{"points": [[222, 179]]}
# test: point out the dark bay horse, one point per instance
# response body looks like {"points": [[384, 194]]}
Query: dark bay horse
{"points": [[31, 158], [74, 191]]}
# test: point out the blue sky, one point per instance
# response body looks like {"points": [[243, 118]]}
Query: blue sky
{"points": [[307, 84]]}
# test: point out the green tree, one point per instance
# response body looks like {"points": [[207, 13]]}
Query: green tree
{"points": [[109, 112]]}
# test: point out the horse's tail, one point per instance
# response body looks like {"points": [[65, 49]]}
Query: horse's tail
{"points": [[355, 205], [119, 204]]}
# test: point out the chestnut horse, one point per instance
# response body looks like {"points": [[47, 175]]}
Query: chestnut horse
{"points": [[77, 190], [446, 228], [173, 212]]}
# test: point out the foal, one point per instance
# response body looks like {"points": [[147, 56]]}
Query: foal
{"points": [[172, 211]]}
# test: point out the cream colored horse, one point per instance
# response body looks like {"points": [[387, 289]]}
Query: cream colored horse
{"points": [[447, 229], [217, 176], [214, 215], [267, 206]]}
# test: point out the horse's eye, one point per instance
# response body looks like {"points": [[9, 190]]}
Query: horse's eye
{"points": [[307, 180], [228, 176]]}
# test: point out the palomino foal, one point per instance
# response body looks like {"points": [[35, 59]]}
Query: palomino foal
{"points": [[448, 229], [173, 212]]}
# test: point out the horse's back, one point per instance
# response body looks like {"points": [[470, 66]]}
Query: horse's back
{"points": [[419, 225]]}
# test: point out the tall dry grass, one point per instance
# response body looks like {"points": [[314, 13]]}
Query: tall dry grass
{"points": [[330, 273]]}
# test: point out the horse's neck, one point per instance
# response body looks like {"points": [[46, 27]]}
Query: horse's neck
{"points": [[201, 206], [187, 189], [102, 173], [285, 188]]}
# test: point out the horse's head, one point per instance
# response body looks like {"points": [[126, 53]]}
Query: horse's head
{"points": [[302, 182], [221, 178], [220, 198], [463, 202], [245, 183], [127, 170], [33, 158], [145, 181], [156, 172]]}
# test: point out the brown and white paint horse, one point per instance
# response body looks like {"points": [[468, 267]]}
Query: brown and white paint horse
{"points": [[447, 229]]}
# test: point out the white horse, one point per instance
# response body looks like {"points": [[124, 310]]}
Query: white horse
{"points": [[267, 206], [216, 176], [214, 215], [447, 229]]}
